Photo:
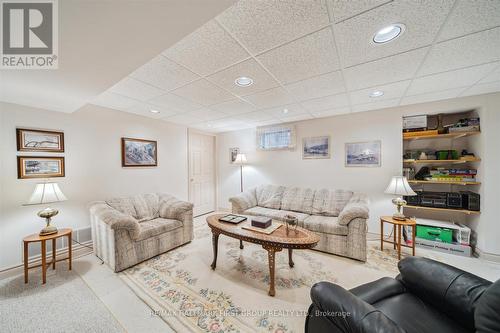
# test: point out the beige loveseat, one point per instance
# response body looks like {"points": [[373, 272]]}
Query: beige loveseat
{"points": [[126, 231], [337, 216]]}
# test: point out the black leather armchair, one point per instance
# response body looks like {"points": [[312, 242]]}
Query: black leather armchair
{"points": [[427, 296]]}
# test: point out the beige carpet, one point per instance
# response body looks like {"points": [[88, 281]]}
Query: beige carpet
{"points": [[181, 287]]}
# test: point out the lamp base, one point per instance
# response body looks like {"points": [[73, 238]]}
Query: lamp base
{"points": [[48, 213], [48, 230], [398, 217]]}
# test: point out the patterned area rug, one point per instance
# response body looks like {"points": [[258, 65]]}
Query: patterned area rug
{"points": [[181, 287]]}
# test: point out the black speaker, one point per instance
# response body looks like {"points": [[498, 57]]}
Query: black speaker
{"points": [[471, 200]]}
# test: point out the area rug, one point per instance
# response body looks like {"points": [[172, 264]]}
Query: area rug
{"points": [[64, 304], [181, 287]]}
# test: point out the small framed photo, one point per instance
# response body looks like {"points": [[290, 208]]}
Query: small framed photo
{"points": [[363, 154], [316, 147], [233, 152], [139, 153], [39, 140], [40, 167]]}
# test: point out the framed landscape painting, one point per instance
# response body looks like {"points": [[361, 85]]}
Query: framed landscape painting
{"points": [[39, 140], [40, 167], [139, 153], [363, 154], [316, 147]]}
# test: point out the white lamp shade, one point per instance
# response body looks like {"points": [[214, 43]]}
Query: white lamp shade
{"points": [[46, 193], [399, 186], [240, 159]]}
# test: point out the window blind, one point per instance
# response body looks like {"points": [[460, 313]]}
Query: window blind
{"points": [[276, 137]]}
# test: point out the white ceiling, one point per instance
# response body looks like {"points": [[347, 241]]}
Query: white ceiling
{"points": [[315, 58]]}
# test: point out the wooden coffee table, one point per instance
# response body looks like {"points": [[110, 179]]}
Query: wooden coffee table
{"points": [[275, 242]]}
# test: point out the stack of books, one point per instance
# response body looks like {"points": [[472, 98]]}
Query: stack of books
{"points": [[452, 175]]}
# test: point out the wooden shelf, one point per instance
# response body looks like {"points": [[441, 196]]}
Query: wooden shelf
{"points": [[463, 211], [454, 135], [442, 182], [441, 161]]}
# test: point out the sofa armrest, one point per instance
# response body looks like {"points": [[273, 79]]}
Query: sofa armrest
{"points": [[115, 219], [378, 290], [357, 207], [347, 312], [453, 290], [243, 201], [173, 208]]}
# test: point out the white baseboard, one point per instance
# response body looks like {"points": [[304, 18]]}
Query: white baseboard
{"points": [[487, 256]]}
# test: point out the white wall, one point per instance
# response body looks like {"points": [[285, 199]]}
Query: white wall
{"points": [[93, 167], [288, 168]]}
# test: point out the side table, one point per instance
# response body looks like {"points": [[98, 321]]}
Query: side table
{"points": [[397, 232], [43, 239]]}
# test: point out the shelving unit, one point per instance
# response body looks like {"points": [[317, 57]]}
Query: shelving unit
{"points": [[462, 211], [454, 135], [443, 161], [442, 182]]}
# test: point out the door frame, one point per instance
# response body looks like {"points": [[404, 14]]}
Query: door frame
{"points": [[215, 166]]}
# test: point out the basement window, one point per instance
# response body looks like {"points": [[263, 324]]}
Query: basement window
{"points": [[276, 137]]}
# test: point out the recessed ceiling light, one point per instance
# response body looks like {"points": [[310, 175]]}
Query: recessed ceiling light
{"points": [[285, 111], [209, 125], [154, 111], [243, 81], [389, 33], [376, 93]]}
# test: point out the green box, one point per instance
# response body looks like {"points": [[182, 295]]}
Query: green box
{"points": [[435, 233]]}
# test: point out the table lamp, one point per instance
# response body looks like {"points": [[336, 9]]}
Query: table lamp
{"points": [[399, 186], [241, 159], [43, 194]]}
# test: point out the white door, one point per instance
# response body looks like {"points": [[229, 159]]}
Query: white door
{"points": [[202, 173]]}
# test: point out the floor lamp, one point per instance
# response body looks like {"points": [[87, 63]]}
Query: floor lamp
{"points": [[240, 159]]}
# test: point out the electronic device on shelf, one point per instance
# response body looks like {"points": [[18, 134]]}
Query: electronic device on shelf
{"points": [[470, 200], [455, 200]]}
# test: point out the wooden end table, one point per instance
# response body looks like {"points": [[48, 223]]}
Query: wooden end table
{"points": [[397, 231], [43, 239], [275, 242]]}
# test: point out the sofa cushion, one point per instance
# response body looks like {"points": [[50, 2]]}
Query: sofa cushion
{"points": [[269, 196], [325, 225], [275, 214], [297, 199], [123, 205], [330, 202], [146, 206], [157, 227]]}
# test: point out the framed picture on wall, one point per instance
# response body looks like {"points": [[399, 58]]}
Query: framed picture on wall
{"points": [[139, 153], [40, 167], [363, 154], [316, 147], [232, 154], [39, 140]]}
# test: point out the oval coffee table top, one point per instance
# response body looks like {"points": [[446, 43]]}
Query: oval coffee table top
{"points": [[303, 238]]}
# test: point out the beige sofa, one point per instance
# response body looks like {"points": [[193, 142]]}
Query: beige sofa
{"points": [[126, 231], [337, 216]]}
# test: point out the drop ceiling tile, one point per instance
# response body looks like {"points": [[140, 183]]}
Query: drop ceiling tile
{"points": [[389, 103], [279, 112], [391, 91], [255, 116], [136, 89], [318, 86], [422, 19], [471, 16], [268, 122], [234, 107], [183, 119], [226, 122], [391, 69], [207, 50], [270, 98], [433, 96], [332, 112], [449, 80], [203, 92], [475, 49], [249, 68], [261, 25], [164, 73], [309, 56], [172, 101], [299, 117], [343, 9], [493, 76], [482, 88], [206, 114], [114, 101], [325, 103], [144, 109]]}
